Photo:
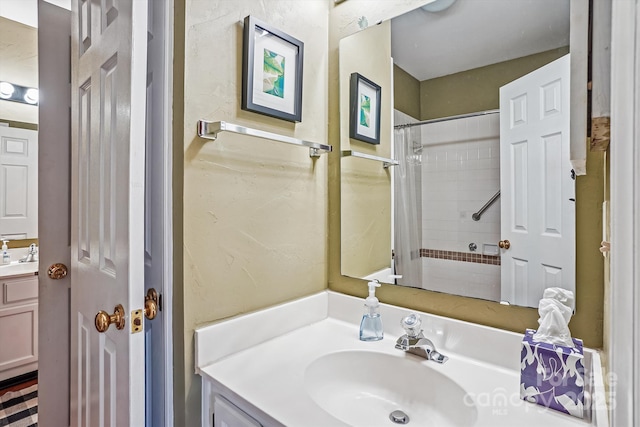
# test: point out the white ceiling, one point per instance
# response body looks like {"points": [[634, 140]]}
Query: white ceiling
{"points": [[26, 11], [476, 33]]}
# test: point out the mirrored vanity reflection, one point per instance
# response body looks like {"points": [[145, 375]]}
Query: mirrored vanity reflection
{"points": [[18, 135], [470, 190]]}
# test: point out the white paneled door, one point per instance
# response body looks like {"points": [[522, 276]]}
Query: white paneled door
{"points": [[18, 183], [109, 75], [537, 186]]}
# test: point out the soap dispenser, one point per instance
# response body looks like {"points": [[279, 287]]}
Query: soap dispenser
{"points": [[6, 258], [371, 325]]}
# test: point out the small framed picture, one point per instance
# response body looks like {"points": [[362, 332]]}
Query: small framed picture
{"points": [[271, 71], [364, 109]]}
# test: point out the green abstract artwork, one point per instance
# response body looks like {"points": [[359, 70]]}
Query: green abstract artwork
{"points": [[273, 78], [365, 111]]}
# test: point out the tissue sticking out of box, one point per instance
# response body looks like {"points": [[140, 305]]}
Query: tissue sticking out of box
{"points": [[555, 312]]}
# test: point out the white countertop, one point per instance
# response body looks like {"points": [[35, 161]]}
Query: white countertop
{"points": [[266, 366], [16, 268]]}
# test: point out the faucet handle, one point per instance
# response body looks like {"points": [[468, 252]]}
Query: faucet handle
{"points": [[412, 325]]}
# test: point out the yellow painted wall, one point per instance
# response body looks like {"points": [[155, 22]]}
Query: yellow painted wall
{"points": [[406, 92], [477, 89], [366, 185], [254, 211]]}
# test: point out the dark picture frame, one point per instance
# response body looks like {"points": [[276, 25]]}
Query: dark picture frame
{"points": [[271, 71], [364, 109]]}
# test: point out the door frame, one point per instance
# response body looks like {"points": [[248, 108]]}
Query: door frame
{"points": [[54, 156], [624, 329], [167, 185]]}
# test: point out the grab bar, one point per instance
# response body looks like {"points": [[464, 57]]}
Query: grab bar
{"points": [[385, 162], [210, 130], [476, 216]]}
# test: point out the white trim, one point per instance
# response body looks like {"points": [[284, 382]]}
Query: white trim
{"points": [[625, 223], [167, 285], [578, 41]]}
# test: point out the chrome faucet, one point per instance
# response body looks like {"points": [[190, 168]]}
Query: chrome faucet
{"points": [[31, 255], [415, 342]]}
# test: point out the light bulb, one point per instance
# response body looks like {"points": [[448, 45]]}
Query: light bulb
{"points": [[6, 90], [31, 96]]}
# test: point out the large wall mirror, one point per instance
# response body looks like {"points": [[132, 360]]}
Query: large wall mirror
{"points": [[471, 190], [18, 132]]}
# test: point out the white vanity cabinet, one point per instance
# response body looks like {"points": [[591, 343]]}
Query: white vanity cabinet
{"points": [[226, 414], [18, 325], [223, 408]]}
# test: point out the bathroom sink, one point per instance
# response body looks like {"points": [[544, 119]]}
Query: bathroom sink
{"points": [[363, 388]]}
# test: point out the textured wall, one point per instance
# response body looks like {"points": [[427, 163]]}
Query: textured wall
{"points": [[255, 211], [366, 185]]}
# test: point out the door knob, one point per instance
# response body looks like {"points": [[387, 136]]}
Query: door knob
{"points": [[104, 319], [504, 244], [57, 271], [151, 304]]}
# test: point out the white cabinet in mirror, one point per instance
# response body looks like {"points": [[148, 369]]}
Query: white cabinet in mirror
{"points": [[462, 135]]}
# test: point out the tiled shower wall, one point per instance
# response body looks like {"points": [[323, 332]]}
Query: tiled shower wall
{"points": [[460, 173]]}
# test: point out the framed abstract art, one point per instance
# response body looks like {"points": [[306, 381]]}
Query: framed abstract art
{"points": [[271, 71], [364, 109]]}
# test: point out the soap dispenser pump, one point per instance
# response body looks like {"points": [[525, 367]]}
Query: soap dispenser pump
{"points": [[371, 324], [6, 258]]}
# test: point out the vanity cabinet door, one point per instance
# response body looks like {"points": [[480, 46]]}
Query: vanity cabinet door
{"points": [[18, 326], [226, 414]]}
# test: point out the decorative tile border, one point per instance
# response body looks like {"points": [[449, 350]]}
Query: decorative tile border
{"points": [[460, 256]]}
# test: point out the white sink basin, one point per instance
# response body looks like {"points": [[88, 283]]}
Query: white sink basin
{"points": [[362, 388]]}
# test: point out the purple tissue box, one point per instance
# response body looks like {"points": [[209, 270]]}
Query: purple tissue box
{"points": [[552, 375]]}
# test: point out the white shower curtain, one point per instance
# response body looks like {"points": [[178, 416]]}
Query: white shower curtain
{"points": [[407, 206]]}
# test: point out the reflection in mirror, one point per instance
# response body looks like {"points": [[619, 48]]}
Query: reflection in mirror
{"points": [[18, 136], [483, 196]]}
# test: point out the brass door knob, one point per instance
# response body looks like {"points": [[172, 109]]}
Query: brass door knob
{"points": [[57, 271], [504, 244], [104, 319], [151, 304]]}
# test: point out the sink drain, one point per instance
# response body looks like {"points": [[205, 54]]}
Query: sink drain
{"points": [[399, 417]]}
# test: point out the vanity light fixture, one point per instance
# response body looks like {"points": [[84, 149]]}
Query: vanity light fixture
{"points": [[438, 5], [17, 93]]}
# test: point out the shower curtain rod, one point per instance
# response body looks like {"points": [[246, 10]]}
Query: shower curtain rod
{"points": [[446, 119]]}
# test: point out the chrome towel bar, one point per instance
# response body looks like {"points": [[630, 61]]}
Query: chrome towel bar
{"points": [[385, 162], [210, 130]]}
